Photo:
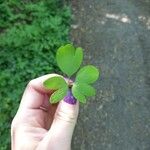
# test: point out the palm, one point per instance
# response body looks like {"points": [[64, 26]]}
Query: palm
{"points": [[36, 123]]}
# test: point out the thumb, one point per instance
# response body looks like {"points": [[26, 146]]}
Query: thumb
{"points": [[65, 120], [60, 134]]}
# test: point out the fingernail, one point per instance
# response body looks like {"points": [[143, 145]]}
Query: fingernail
{"points": [[69, 98]]}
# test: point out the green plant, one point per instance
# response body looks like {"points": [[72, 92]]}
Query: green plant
{"points": [[69, 60], [30, 33]]}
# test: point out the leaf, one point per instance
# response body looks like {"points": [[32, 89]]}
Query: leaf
{"points": [[55, 83], [59, 84], [58, 95], [87, 74], [82, 88], [86, 89], [77, 94], [69, 59]]}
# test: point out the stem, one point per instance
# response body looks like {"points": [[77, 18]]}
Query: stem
{"points": [[70, 83]]}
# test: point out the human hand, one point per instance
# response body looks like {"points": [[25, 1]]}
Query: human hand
{"points": [[40, 125]]}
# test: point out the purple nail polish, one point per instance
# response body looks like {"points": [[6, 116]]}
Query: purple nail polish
{"points": [[69, 98]]}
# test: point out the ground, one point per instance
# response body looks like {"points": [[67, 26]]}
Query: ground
{"points": [[115, 35]]}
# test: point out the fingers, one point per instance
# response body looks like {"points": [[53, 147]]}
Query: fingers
{"points": [[35, 93], [60, 134]]}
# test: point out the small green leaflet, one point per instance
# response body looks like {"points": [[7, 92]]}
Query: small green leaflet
{"points": [[69, 59], [77, 94], [81, 88], [58, 95], [88, 74], [58, 84]]}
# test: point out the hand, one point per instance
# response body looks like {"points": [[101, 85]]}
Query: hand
{"points": [[40, 125]]}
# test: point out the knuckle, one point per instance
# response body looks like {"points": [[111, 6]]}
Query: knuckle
{"points": [[67, 117], [30, 83]]}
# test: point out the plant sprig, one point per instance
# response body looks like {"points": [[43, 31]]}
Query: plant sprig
{"points": [[69, 60]]}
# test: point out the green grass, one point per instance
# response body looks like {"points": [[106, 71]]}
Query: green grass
{"points": [[30, 33]]}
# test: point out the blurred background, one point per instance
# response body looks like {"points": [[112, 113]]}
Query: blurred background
{"points": [[115, 36]]}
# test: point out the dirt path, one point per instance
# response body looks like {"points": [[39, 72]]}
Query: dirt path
{"points": [[116, 37]]}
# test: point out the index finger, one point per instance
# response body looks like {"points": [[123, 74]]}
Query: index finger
{"points": [[35, 93]]}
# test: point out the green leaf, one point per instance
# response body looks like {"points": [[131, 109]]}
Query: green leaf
{"points": [[59, 84], [82, 88], [55, 83], [58, 95], [69, 59], [86, 89], [87, 74], [77, 94]]}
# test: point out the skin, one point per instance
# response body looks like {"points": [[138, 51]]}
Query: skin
{"points": [[39, 125]]}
